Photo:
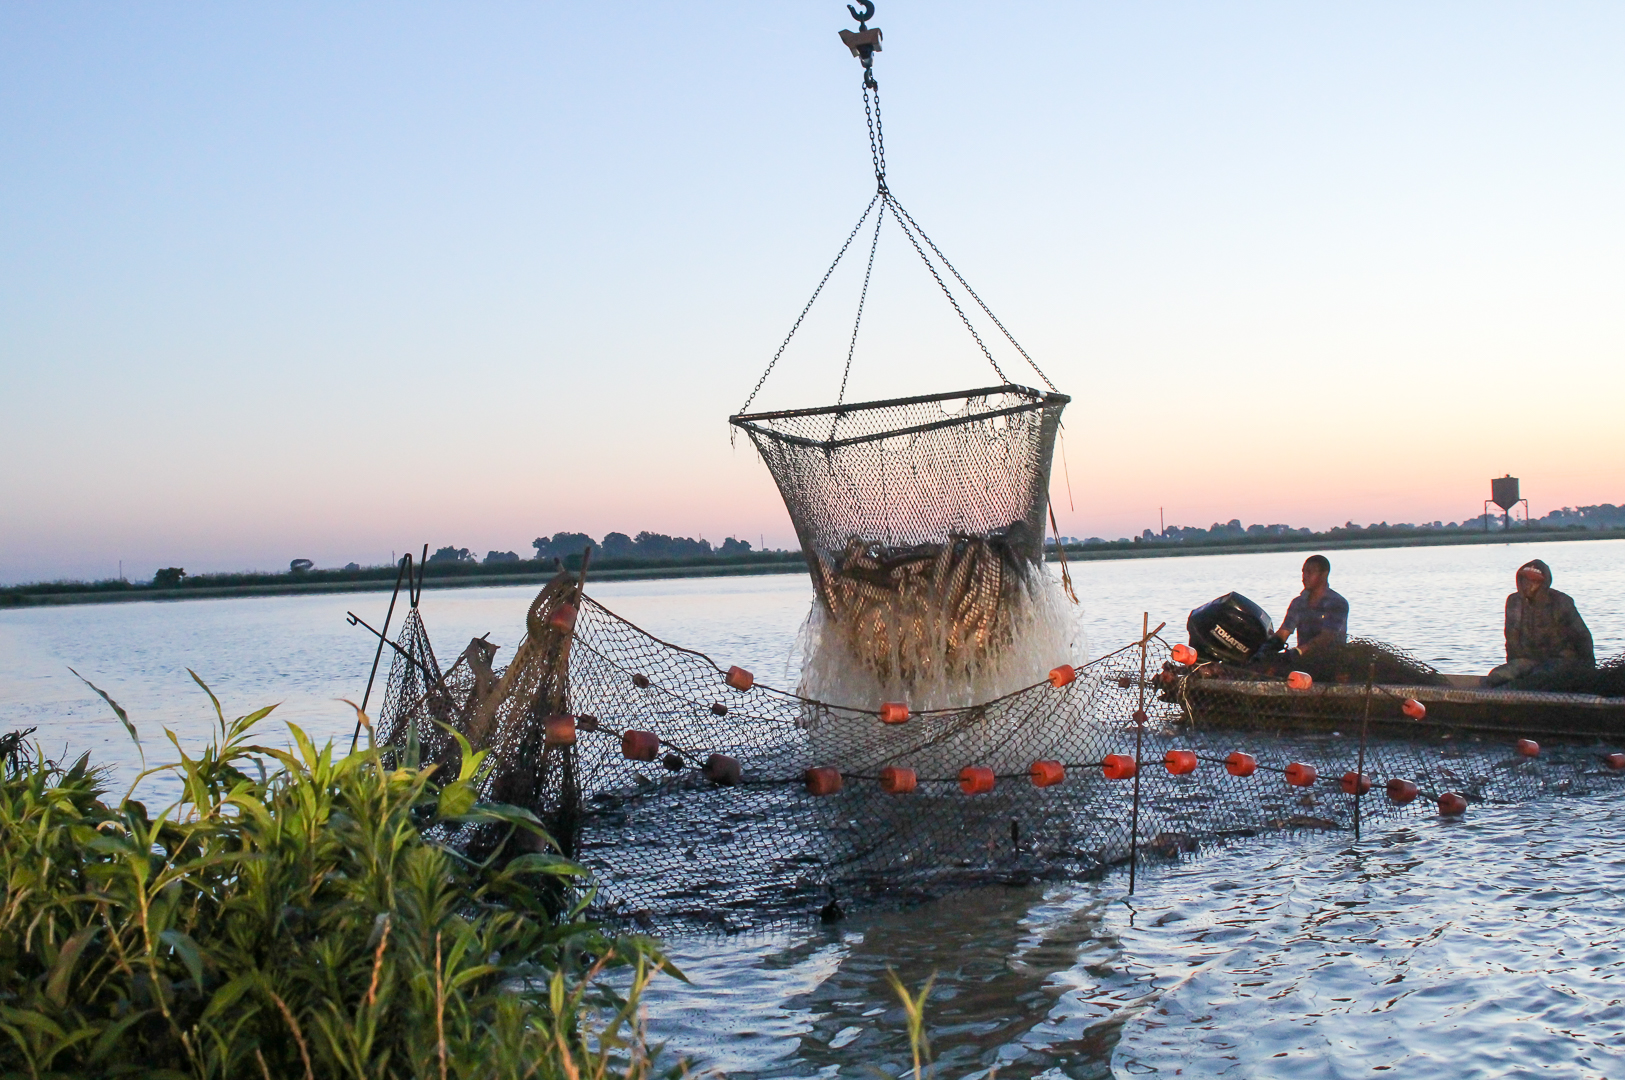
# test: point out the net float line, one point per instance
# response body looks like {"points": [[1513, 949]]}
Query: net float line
{"points": [[711, 817]]}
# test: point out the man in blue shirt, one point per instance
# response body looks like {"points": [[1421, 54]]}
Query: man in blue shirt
{"points": [[1319, 615]]}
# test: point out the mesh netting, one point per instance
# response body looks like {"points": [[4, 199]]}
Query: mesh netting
{"points": [[921, 519], [714, 815]]}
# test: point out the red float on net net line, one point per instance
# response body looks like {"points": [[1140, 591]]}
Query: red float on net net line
{"points": [[563, 618], [1614, 761], [897, 780], [1528, 748], [1299, 680], [739, 679], [975, 780], [1299, 774], [1063, 676], [822, 780], [1452, 805], [1414, 709], [1238, 764], [1046, 773], [1401, 792], [639, 745], [722, 770], [1179, 762], [1354, 783], [559, 731], [1183, 654], [1118, 766], [893, 712]]}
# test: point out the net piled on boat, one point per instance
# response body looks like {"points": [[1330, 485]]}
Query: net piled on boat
{"points": [[695, 793]]}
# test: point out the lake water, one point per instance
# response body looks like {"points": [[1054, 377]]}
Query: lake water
{"points": [[1484, 947]]}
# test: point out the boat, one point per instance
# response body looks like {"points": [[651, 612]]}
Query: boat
{"points": [[1465, 703]]}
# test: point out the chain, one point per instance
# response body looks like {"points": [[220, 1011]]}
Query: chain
{"points": [[891, 204], [822, 282], [862, 296], [897, 209], [877, 135]]}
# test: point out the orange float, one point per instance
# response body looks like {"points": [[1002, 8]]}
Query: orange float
{"points": [[896, 780], [823, 780], [1528, 747], [1414, 709], [1061, 676], [640, 745], [563, 618], [893, 712], [1299, 680], [739, 679], [1614, 761], [1046, 773], [1183, 654], [975, 779], [721, 769], [1300, 775], [1452, 805], [1118, 766], [559, 731], [1238, 764], [1401, 792], [1180, 762], [1354, 783]]}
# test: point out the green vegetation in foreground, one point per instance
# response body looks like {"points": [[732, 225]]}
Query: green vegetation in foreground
{"points": [[292, 916]]}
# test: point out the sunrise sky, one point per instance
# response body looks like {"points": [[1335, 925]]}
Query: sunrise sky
{"points": [[332, 281]]}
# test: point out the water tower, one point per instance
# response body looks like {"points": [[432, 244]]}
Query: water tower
{"points": [[1504, 493]]}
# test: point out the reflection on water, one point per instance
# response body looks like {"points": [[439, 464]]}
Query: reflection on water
{"points": [[1488, 947], [1485, 947]]}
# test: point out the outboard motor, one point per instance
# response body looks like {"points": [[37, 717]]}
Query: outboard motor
{"points": [[1231, 628]]}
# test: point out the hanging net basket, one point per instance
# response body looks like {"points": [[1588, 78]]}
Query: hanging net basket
{"points": [[921, 518]]}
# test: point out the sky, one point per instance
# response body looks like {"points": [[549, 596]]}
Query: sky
{"points": [[334, 281]]}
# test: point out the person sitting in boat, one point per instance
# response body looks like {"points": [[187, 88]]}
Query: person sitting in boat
{"points": [[1547, 641], [1318, 614]]}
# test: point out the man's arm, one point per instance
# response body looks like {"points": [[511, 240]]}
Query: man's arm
{"points": [[1514, 606], [1578, 633], [1294, 614]]}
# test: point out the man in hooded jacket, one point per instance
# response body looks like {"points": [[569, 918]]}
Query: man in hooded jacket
{"points": [[1546, 638]]}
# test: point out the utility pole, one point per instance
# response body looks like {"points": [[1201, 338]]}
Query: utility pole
{"points": [[1162, 525]]}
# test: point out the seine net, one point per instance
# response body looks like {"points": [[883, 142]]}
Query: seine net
{"points": [[692, 799]]}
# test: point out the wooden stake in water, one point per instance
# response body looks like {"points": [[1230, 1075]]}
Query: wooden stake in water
{"points": [[1139, 734], [1365, 726]]}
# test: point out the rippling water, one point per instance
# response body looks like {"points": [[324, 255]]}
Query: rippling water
{"points": [[1486, 947]]}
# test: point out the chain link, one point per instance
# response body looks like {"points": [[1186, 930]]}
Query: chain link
{"points": [[898, 209], [822, 282], [877, 134], [862, 296], [943, 285]]}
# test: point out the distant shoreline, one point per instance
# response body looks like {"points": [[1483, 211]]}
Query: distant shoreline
{"points": [[289, 585]]}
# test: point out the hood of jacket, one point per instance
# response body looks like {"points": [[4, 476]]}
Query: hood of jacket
{"points": [[1539, 567]]}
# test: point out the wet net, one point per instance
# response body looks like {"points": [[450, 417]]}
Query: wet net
{"points": [[696, 794], [922, 521]]}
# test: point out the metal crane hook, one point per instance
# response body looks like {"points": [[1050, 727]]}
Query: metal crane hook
{"points": [[867, 13]]}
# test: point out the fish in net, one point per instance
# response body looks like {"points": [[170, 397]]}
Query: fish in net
{"points": [[922, 523]]}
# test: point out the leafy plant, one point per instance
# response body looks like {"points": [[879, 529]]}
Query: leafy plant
{"points": [[292, 915]]}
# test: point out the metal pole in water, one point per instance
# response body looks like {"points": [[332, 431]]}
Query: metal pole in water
{"points": [[1139, 734], [406, 561], [1365, 726]]}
